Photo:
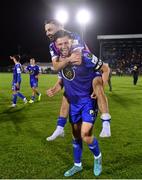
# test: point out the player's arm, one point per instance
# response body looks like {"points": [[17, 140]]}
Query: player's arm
{"points": [[55, 89], [59, 63], [12, 58], [91, 60], [26, 70], [39, 72]]}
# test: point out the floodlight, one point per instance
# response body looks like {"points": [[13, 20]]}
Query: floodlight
{"points": [[62, 16], [83, 16]]}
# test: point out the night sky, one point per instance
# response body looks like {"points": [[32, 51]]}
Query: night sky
{"points": [[22, 23]]}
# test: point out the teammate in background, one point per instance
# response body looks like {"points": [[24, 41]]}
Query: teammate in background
{"points": [[77, 80], [16, 81], [135, 72], [34, 71], [51, 27]]}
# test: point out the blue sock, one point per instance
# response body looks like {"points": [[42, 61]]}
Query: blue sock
{"points": [[14, 98], [77, 150], [94, 147], [33, 98], [20, 95], [61, 121]]}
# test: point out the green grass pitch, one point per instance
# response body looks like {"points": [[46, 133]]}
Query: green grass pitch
{"points": [[25, 153]]}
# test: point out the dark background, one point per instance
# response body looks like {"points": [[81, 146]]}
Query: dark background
{"points": [[22, 24]]}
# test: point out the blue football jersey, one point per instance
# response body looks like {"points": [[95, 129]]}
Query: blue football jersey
{"points": [[77, 44], [33, 71], [17, 73], [77, 80]]}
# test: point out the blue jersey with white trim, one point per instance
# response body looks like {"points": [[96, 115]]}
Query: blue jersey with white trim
{"points": [[77, 80], [33, 71], [77, 44], [17, 73]]}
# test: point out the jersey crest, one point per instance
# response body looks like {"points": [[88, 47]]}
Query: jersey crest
{"points": [[68, 73]]}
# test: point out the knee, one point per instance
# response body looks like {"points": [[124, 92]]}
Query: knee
{"points": [[85, 137]]}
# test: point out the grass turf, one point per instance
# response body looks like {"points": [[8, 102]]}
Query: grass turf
{"points": [[25, 153]]}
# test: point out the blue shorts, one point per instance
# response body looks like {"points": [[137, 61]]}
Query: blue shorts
{"points": [[14, 87], [34, 83], [85, 111]]}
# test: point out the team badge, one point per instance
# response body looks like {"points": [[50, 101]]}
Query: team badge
{"points": [[68, 73]]}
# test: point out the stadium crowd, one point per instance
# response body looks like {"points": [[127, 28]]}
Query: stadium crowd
{"points": [[122, 60]]}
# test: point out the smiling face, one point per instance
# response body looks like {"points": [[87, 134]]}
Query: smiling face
{"points": [[64, 45], [51, 29]]}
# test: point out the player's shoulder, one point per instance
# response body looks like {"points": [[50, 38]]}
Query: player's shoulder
{"points": [[18, 65], [37, 66]]}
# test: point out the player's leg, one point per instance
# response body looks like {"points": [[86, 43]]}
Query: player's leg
{"points": [[62, 119], [103, 106], [89, 114], [14, 97], [16, 93], [22, 97], [37, 91], [38, 94], [33, 87], [19, 94], [86, 133], [77, 150]]}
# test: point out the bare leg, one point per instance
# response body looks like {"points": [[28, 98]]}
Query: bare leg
{"points": [[103, 106], [62, 119]]}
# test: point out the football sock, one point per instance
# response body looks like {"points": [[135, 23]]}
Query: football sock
{"points": [[61, 121], [94, 147], [77, 151], [14, 98]]}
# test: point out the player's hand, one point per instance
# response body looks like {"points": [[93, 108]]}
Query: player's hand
{"points": [[36, 77], [76, 58], [50, 92], [11, 57], [93, 95]]}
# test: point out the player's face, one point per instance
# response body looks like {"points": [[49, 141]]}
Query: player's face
{"points": [[32, 61], [64, 45], [50, 30]]}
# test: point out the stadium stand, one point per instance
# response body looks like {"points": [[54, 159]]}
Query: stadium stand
{"points": [[122, 52]]}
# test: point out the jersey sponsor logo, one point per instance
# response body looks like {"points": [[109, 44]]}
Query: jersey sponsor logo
{"points": [[68, 73], [94, 59]]}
